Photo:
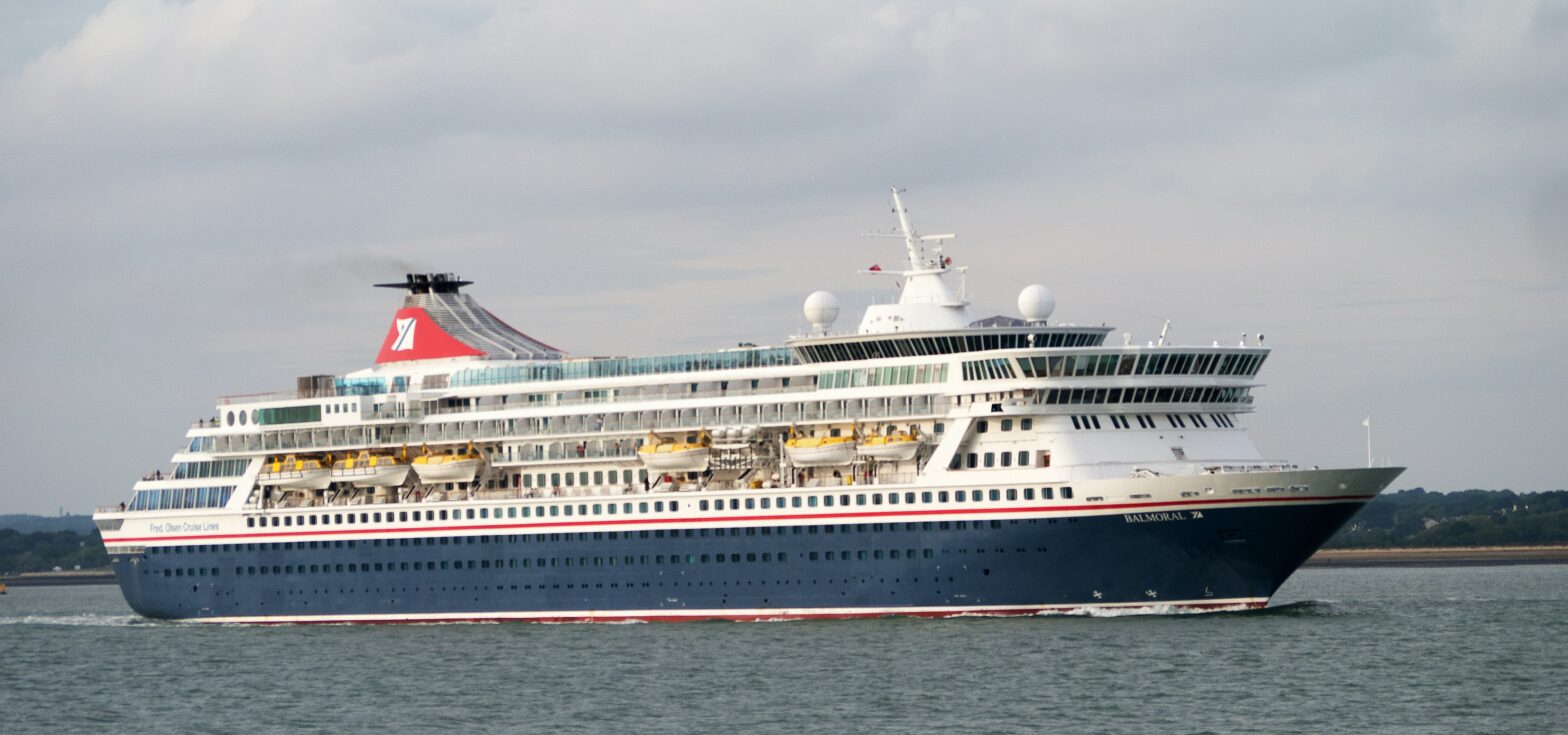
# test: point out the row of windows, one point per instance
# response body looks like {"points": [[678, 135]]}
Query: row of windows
{"points": [[601, 536], [1176, 421], [1076, 396], [984, 425], [1080, 366], [581, 478], [945, 345], [607, 367], [211, 468], [405, 516], [750, 557], [995, 369], [991, 460], [626, 508], [870, 377], [288, 415], [178, 498], [908, 498]]}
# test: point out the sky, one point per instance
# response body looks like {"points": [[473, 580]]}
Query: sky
{"points": [[196, 196]]}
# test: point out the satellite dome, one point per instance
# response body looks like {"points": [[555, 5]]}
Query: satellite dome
{"points": [[821, 310], [1036, 303]]}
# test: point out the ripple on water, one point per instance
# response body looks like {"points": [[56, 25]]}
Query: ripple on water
{"points": [[1398, 651]]}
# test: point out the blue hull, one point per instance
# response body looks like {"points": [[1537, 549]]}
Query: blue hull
{"points": [[1180, 556]]}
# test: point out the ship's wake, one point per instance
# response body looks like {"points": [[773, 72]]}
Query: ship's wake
{"points": [[85, 620]]}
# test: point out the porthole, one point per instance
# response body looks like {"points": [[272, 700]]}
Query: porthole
{"points": [[230, 418]]}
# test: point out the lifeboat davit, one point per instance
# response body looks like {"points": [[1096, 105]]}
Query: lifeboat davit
{"points": [[448, 467], [819, 451], [898, 446], [668, 455], [370, 470], [293, 472]]}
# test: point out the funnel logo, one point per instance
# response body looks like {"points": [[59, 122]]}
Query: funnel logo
{"points": [[434, 342], [405, 336]]}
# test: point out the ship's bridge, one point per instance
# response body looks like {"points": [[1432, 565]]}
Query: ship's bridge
{"points": [[1009, 336]]}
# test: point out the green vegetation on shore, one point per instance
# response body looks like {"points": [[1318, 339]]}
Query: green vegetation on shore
{"points": [[1420, 519], [42, 551]]}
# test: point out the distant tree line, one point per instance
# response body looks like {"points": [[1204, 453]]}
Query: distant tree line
{"points": [[82, 524], [1417, 518], [42, 551]]}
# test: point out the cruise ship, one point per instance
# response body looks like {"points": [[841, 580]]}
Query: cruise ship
{"points": [[924, 463]]}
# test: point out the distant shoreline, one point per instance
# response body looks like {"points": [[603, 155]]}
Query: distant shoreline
{"points": [[55, 579], [1445, 556]]}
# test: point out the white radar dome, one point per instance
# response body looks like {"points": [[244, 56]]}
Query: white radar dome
{"points": [[1036, 303], [821, 310]]}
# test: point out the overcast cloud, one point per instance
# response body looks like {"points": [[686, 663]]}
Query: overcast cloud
{"points": [[195, 197]]}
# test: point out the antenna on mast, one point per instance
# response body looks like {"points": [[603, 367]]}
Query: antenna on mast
{"points": [[914, 242]]}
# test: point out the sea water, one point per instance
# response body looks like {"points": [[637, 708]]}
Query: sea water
{"points": [[1445, 650]]}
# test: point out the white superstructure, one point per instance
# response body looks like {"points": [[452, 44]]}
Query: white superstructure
{"points": [[922, 413]]}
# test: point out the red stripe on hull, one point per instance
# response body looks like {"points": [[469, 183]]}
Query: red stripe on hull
{"points": [[756, 617]]}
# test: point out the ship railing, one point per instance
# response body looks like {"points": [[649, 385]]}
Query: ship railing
{"points": [[900, 478], [110, 509], [564, 492], [626, 395], [1225, 469], [362, 436]]}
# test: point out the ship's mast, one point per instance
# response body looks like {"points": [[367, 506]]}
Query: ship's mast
{"points": [[919, 259], [925, 302]]}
